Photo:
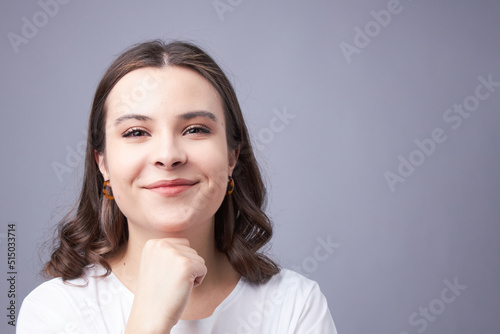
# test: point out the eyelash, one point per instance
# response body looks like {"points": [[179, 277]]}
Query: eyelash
{"points": [[201, 129], [133, 133], [130, 133]]}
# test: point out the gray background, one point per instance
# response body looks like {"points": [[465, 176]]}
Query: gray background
{"points": [[394, 248]]}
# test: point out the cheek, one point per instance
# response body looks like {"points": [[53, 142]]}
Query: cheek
{"points": [[124, 165], [219, 178], [214, 161], [212, 194]]}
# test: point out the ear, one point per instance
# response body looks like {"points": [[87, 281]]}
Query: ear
{"points": [[99, 159], [233, 159]]}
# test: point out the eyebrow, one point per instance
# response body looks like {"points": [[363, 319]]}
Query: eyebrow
{"points": [[185, 116], [201, 113], [132, 116]]}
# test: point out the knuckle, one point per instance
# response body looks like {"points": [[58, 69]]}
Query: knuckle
{"points": [[184, 264], [172, 252]]}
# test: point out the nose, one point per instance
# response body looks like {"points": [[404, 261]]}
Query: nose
{"points": [[169, 153]]}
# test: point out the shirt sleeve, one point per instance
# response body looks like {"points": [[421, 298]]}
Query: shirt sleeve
{"points": [[315, 317]]}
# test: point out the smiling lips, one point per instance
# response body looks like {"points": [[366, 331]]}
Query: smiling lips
{"points": [[171, 187]]}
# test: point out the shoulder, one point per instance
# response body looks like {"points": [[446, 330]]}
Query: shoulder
{"points": [[288, 291], [57, 287], [290, 278], [56, 304], [307, 304], [289, 302], [289, 283]]}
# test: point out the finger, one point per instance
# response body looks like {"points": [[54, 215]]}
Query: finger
{"points": [[178, 241], [185, 249], [200, 272], [192, 257]]}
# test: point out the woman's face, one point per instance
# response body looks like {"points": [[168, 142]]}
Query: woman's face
{"points": [[166, 152]]}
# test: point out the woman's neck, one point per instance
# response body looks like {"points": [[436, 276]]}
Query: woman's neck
{"points": [[220, 280]]}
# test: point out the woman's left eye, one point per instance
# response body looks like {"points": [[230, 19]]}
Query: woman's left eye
{"points": [[197, 129]]}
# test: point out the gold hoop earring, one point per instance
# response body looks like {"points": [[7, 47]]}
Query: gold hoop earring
{"points": [[105, 192], [230, 184]]}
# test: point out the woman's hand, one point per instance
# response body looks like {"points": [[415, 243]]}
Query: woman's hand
{"points": [[168, 272]]}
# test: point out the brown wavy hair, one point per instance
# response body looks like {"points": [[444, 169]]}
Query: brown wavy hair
{"points": [[96, 229]]}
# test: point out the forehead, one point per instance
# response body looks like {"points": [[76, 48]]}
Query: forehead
{"points": [[170, 89]]}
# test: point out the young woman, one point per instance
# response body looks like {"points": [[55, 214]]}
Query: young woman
{"points": [[168, 231]]}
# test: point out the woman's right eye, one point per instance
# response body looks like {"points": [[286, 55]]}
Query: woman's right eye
{"points": [[132, 133]]}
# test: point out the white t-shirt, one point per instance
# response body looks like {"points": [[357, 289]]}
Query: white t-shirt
{"points": [[287, 303]]}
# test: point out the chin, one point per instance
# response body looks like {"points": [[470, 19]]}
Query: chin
{"points": [[172, 221], [170, 227]]}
